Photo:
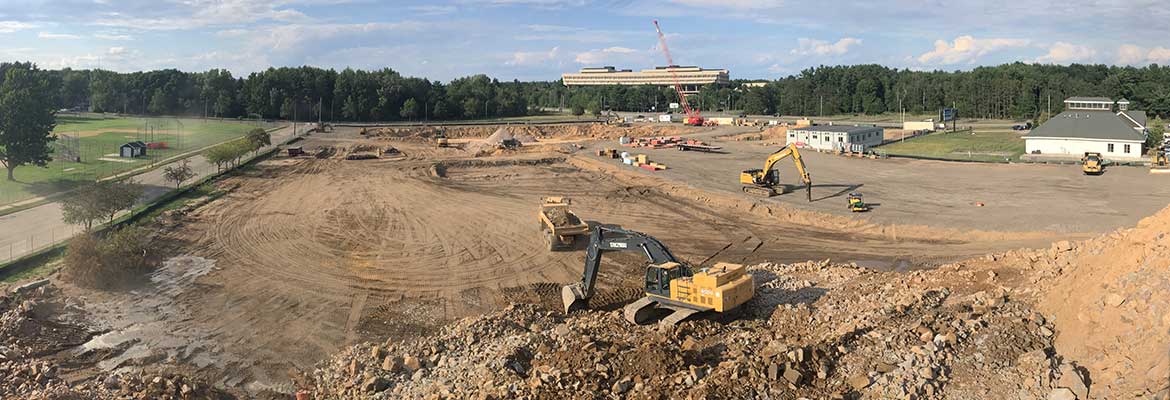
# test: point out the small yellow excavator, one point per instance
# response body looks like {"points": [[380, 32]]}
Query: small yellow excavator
{"points": [[669, 284], [1161, 162], [856, 204], [1092, 164], [763, 182]]}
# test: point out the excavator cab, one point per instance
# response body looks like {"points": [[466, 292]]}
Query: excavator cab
{"points": [[658, 277]]}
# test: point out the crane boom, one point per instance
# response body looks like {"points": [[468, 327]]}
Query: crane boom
{"points": [[693, 117]]}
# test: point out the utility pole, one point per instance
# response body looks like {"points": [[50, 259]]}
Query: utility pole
{"points": [[320, 101], [821, 106]]}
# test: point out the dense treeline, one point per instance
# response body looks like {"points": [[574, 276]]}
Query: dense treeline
{"points": [[1007, 91]]}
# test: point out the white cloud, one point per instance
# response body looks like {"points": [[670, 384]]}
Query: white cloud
{"points": [[807, 46], [1064, 53], [48, 35], [117, 50], [429, 10], [966, 49], [1160, 55], [526, 58], [13, 26], [192, 14], [602, 56], [112, 36], [1128, 54], [732, 4]]}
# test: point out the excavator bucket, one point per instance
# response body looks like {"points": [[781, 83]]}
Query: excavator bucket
{"points": [[573, 297]]}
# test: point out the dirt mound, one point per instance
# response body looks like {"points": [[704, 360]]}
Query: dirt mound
{"points": [[777, 135], [815, 330], [1109, 299]]}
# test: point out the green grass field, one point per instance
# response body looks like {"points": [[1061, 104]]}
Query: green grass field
{"points": [[96, 140], [992, 145]]}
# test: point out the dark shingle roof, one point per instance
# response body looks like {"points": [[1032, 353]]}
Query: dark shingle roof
{"points": [[1088, 125], [1138, 116], [836, 128], [1078, 98]]}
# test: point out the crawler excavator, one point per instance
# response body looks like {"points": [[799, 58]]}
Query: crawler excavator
{"points": [[763, 182], [669, 284]]}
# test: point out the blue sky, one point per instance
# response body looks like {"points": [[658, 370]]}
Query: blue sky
{"points": [[540, 39]]}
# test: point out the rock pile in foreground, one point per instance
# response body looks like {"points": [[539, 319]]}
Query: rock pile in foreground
{"points": [[814, 330]]}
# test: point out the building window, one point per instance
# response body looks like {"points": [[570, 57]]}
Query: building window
{"points": [[840, 139], [791, 135], [1127, 149], [1109, 148], [815, 136]]}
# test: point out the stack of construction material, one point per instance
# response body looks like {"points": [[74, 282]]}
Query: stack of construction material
{"points": [[641, 161]]}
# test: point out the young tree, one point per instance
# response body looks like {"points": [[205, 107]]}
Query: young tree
{"points": [[258, 138], [1157, 128], [178, 173], [82, 207], [409, 109], [220, 155], [27, 118], [99, 200], [578, 110], [119, 196]]}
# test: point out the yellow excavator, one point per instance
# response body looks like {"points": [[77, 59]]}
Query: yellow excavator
{"points": [[670, 285], [764, 182]]}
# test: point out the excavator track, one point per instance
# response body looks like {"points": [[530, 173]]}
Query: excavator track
{"points": [[640, 311], [677, 316], [759, 191]]}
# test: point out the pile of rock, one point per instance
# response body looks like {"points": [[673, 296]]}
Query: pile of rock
{"points": [[814, 330]]}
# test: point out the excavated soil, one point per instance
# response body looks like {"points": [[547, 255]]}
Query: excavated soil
{"points": [[427, 275]]}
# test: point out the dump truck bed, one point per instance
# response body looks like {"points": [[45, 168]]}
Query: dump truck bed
{"points": [[563, 222]]}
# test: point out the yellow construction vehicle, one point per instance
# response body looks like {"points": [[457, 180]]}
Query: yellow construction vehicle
{"points": [[1092, 164], [763, 182], [856, 204], [559, 226], [441, 140], [670, 286], [1161, 162]]}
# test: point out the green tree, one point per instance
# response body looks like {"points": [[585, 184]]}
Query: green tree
{"points": [[471, 107], [409, 109], [27, 118], [99, 200], [578, 110], [159, 102], [258, 138], [221, 155], [1157, 129], [178, 173]]}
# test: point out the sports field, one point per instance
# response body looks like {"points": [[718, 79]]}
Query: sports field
{"points": [[95, 139], [990, 145]]}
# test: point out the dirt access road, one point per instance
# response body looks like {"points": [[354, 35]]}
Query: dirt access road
{"points": [[304, 256], [1016, 197]]}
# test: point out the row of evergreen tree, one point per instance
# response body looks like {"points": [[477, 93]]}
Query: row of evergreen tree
{"points": [[1016, 91]]}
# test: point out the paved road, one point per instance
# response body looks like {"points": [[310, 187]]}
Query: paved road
{"points": [[28, 230]]}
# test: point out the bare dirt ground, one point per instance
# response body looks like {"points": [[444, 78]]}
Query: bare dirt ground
{"points": [[305, 256]]}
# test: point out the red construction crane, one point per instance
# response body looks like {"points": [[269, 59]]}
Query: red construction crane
{"points": [[693, 117]]}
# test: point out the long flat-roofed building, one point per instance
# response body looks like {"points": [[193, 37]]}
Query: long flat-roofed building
{"points": [[690, 78]]}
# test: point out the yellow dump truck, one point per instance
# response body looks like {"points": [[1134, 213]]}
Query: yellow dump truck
{"points": [[559, 226]]}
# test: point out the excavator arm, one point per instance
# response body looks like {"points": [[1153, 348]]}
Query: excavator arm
{"points": [[605, 239], [786, 152]]}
